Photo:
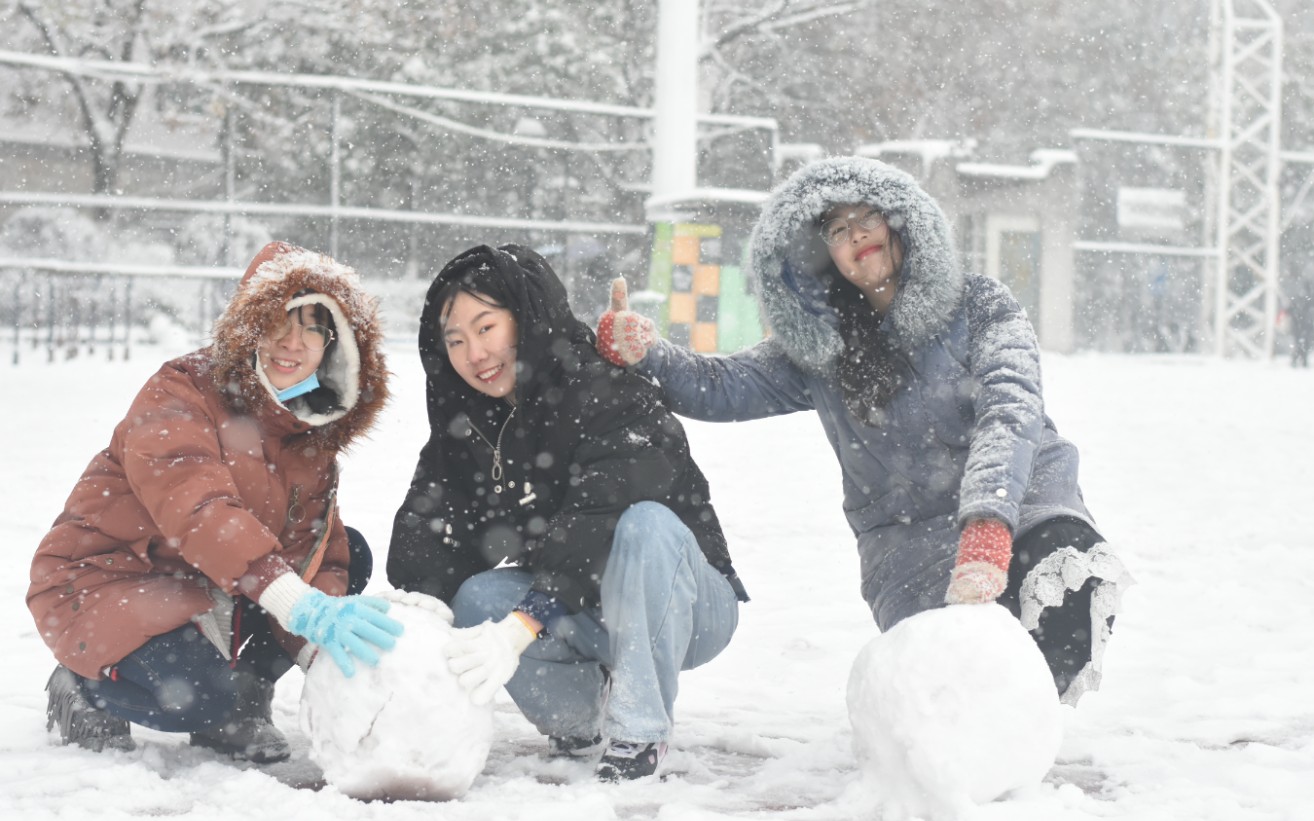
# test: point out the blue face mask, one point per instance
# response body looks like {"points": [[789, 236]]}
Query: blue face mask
{"points": [[304, 386]]}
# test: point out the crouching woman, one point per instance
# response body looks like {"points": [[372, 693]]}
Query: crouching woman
{"points": [[557, 509], [201, 553]]}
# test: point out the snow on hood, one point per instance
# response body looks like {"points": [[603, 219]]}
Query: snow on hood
{"points": [[786, 254]]}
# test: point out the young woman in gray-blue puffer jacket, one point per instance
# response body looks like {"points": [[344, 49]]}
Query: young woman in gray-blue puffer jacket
{"points": [[927, 381]]}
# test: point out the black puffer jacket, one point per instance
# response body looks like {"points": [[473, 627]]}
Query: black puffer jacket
{"points": [[587, 440]]}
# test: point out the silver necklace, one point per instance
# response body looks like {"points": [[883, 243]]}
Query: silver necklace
{"points": [[496, 473]]}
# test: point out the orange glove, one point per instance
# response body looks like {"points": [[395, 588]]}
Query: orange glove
{"points": [[624, 336], [980, 575]]}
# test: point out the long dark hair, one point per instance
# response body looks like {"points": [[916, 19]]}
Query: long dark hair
{"points": [[872, 368]]}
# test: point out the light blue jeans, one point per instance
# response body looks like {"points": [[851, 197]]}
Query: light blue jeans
{"points": [[664, 609]]}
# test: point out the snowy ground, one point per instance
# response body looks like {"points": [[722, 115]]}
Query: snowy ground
{"points": [[1200, 469]]}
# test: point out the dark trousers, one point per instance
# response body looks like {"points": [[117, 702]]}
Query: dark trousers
{"points": [[180, 682], [1064, 632]]}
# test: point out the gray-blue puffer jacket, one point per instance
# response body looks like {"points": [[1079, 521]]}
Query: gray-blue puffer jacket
{"points": [[967, 438]]}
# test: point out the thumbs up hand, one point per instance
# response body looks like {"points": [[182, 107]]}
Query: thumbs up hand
{"points": [[624, 337]]}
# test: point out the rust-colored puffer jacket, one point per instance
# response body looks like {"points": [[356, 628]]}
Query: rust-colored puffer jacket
{"points": [[208, 471]]}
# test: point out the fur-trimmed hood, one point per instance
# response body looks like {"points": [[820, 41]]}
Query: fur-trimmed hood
{"points": [[281, 277], [786, 254]]}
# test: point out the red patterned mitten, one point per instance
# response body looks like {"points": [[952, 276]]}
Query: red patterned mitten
{"points": [[624, 336], [985, 549]]}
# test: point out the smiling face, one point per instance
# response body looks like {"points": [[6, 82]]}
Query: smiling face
{"points": [[866, 252], [283, 353], [480, 338]]}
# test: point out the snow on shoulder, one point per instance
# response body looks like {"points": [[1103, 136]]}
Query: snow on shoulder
{"points": [[404, 730], [951, 708]]}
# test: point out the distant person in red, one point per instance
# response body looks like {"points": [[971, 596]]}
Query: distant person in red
{"points": [[200, 555]]}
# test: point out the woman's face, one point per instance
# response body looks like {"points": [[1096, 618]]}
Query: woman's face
{"points": [[864, 249], [291, 352], [481, 344]]}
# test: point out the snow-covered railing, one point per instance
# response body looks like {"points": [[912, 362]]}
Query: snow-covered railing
{"points": [[61, 309]]}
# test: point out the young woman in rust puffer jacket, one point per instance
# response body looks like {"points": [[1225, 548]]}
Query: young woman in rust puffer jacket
{"points": [[200, 553]]}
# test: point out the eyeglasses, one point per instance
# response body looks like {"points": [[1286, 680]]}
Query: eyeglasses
{"points": [[314, 337], [836, 231]]}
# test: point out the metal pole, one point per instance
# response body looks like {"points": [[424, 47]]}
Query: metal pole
{"points": [[1222, 287], [675, 109], [335, 175]]}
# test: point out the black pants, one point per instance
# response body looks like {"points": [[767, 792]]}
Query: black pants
{"points": [[179, 681], [1064, 632]]}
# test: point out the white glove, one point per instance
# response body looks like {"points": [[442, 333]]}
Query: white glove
{"points": [[484, 657], [420, 600]]}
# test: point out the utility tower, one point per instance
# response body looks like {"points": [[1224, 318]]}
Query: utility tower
{"points": [[1246, 121]]}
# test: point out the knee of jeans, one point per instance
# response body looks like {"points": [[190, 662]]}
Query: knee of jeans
{"points": [[650, 531], [485, 596]]}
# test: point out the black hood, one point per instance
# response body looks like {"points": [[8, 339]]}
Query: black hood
{"points": [[550, 337]]}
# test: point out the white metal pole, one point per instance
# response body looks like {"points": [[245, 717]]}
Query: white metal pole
{"points": [[1224, 193], [1272, 252], [675, 109]]}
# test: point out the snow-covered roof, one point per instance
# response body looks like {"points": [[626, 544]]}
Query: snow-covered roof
{"points": [[1043, 163], [928, 150]]}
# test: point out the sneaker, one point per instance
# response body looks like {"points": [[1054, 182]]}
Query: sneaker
{"points": [[628, 760], [573, 746], [79, 722]]}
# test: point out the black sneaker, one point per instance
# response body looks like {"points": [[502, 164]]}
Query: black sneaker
{"points": [[573, 747], [78, 721], [628, 760]]}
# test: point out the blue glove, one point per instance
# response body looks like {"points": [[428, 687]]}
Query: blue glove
{"points": [[345, 626]]}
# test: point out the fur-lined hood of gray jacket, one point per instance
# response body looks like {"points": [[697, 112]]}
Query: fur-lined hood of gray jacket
{"points": [[789, 260]]}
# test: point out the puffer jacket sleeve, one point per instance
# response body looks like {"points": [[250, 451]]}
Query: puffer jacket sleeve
{"points": [[630, 449], [1004, 358], [172, 460], [750, 384], [432, 550]]}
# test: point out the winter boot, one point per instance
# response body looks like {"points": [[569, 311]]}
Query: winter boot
{"points": [[628, 760], [573, 747], [79, 722], [248, 733]]}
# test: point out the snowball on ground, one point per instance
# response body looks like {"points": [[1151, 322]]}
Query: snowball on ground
{"points": [[951, 708], [404, 729]]}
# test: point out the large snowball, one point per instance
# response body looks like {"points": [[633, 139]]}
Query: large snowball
{"points": [[402, 730], [953, 707]]}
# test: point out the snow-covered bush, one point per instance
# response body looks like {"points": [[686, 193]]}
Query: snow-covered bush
{"points": [[200, 241], [53, 233]]}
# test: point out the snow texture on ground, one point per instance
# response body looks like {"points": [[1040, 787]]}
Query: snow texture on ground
{"points": [[1199, 469]]}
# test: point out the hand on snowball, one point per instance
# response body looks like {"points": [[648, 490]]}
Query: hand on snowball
{"points": [[344, 626], [420, 600], [980, 575], [484, 657], [624, 337]]}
